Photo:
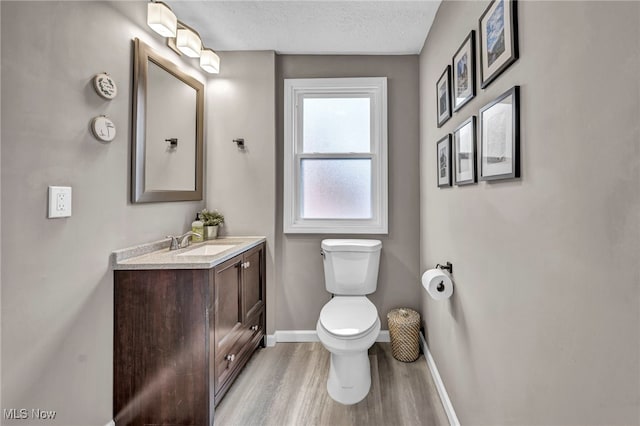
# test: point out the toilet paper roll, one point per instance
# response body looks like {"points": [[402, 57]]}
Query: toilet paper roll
{"points": [[438, 284]]}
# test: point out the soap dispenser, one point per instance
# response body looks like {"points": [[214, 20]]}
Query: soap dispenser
{"points": [[198, 227]]}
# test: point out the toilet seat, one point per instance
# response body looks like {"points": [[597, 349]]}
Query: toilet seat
{"points": [[348, 317]]}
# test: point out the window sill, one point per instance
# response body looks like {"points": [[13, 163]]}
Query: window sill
{"points": [[335, 229]]}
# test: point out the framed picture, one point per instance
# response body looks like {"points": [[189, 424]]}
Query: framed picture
{"points": [[464, 152], [443, 90], [498, 39], [444, 161], [464, 72], [500, 137]]}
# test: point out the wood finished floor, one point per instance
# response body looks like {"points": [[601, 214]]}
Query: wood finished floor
{"points": [[286, 385]]}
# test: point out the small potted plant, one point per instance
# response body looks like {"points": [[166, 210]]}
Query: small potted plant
{"points": [[211, 220]]}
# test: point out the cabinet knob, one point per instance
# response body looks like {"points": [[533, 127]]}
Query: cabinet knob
{"points": [[230, 357], [245, 265], [254, 328]]}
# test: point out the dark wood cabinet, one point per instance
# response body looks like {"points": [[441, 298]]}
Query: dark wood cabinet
{"points": [[182, 336]]}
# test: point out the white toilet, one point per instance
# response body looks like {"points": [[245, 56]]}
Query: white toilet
{"points": [[349, 323]]}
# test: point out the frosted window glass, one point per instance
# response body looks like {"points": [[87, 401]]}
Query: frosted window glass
{"points": [[336, 189], [336, 125]]}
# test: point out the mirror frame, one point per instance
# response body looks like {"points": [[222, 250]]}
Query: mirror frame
{"points": [[142, 54]]}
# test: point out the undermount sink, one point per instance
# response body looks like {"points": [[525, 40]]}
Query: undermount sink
{"points": [[208, 250]]}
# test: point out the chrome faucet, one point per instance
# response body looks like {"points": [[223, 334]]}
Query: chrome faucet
{"points": [[184, 240]]}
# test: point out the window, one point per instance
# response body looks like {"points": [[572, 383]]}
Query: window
{"points": [[335, 155]]}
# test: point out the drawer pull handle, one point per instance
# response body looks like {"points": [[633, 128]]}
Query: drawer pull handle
{"points": [[230, 357], [254, 328]]}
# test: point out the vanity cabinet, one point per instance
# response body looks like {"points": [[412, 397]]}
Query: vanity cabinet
{"points": [[181, 337]]}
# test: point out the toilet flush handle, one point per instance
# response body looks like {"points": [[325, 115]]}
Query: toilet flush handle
{"points": [[322, 253]]}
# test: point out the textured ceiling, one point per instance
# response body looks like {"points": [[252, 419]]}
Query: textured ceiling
{"points": [[311, 27]]}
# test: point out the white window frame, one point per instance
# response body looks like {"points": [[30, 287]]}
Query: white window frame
{"points": [[375, 88]]}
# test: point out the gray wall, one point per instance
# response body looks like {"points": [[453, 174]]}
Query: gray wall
{"points": [[544, 323], [57, 292], [241, 184], [301, 291], [0, 207]]}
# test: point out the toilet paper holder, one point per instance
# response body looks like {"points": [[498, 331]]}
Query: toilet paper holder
{"points": [[447, 267]]}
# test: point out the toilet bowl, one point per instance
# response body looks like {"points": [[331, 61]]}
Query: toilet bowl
{"points": [[349, 323], [347, 335]]}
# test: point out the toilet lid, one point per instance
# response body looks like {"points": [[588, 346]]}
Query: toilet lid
{"points": [[348, 316]]}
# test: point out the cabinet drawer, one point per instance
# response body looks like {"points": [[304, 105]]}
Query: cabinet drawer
{"points": [[250, 338], [226, 362], [254, 326], [241, 348]]}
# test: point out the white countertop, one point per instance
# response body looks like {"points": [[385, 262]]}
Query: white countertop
{"points": [[156, 255]]}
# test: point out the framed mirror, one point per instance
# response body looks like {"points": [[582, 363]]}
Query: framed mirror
{"points": [[167, 140]]}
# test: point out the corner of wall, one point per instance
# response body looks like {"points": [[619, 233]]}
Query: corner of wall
{"points": [[1, 322]]}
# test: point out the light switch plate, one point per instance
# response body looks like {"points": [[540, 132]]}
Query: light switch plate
{"points": [[59, 201]]}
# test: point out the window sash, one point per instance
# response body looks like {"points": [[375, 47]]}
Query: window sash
{"points": [[296, 90], [299, 140], [375, 182]]}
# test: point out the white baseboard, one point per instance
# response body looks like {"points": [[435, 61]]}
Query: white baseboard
{"points": [[269, 340], [297, 336], [384, 336], [294, 336], [444, 396]]}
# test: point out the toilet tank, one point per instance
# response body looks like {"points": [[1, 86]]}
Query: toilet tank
{"points": [[351, 266]]}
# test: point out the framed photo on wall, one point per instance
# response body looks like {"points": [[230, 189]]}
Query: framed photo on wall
{"points": [[464, 152], [443, 91], [464, 72], [498, 39], [444, 161], [500, 137]]}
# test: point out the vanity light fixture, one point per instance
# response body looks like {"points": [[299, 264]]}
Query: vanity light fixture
{"points": [[188, 41], [181, 38], [161, 19], [209, 61]]}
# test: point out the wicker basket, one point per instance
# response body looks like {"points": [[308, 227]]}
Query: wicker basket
{"points": [[404, 328]]}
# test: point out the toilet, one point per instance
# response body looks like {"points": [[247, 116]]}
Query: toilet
{"points": [[349, 323]]}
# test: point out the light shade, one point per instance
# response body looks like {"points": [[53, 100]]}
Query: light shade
{"points": [[188, 42], [209, 61], [161, 19]]}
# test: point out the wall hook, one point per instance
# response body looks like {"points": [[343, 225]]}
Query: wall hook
{"points": [[447, 267], [239, 142]]}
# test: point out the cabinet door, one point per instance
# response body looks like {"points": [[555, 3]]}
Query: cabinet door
{"points": [[227, 310], [252, 282]]}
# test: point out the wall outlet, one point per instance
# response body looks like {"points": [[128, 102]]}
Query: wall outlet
{"points": [[59, 201]]}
